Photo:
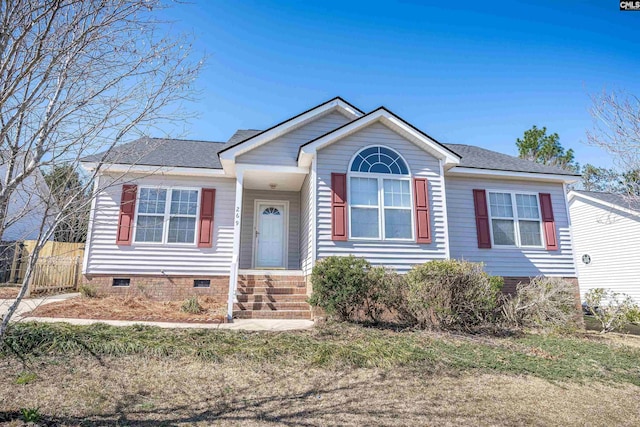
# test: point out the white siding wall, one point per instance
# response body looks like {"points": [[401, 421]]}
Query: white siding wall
{"points": [[248, 216], [507, 261], [283, 151], [306, 226], [105, 257], [26, 207], [612, 239], [398, 255]]}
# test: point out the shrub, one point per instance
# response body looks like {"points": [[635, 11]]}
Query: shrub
{"points": [[612, 310], [451, 295], [88, 291], [542, 302], [387, 297], [340, 285], [192, 306]]}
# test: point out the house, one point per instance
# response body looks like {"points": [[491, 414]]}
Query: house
{"points": [[246, 220], [606, 236], [26, 209]]}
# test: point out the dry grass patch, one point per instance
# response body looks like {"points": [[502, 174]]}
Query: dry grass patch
{"points": [[132, 308], [337, 374], [142, 391]]}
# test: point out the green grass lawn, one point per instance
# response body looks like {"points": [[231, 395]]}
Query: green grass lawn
{"points": [[491, 379]]}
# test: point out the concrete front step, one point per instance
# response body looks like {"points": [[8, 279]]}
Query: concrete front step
{"points": [[273, 283], [274, 277], [271, 306], [251, 298], [261, 290], [263, 314]]}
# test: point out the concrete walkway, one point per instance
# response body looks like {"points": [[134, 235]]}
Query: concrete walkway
{"points": [[30, 304], [238, 324]]}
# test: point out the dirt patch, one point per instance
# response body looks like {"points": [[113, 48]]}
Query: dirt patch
{"points": [[140, 391], [131, 308], [9, 292]]}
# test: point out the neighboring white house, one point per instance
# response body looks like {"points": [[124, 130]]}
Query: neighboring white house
{"points": [[606, 241], [246, 220], [26, 209]]}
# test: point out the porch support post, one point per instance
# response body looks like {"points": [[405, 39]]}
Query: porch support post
{"points": [[237, 222]]}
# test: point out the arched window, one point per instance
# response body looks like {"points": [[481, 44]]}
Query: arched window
{"points": [[380, 199], [379, 160]]}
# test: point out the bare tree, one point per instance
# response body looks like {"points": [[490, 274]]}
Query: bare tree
{"points": [[77, 77], [617, 130]]}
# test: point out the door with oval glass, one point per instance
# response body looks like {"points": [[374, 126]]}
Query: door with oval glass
{"points": [[270, 236]]}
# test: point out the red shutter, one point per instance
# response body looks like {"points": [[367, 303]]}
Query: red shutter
{"points": [[205, 228], [339, 206], [548, 222], [127, 212], [423, 222], [482, 218]]}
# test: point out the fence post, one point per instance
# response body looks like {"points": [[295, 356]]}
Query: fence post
{"points": [[76, 266], [14, 263]]}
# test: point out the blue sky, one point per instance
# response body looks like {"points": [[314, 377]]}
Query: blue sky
{"points": [[464, 72]]}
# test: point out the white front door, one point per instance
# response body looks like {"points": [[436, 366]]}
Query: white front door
{"points": [[270, 235]]}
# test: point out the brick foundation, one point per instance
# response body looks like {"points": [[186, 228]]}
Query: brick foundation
{"points": [[510, 284], [161, 288]]}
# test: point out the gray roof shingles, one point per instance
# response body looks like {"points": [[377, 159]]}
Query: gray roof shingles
{"points": [[481, 158], [165, 152], [204, 154], [622, 200]]}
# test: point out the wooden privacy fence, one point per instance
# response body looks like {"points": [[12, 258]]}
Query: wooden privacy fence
{"points": [[58, 268], [55, 273]]}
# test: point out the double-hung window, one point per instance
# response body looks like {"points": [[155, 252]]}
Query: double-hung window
{"points": [[380, 196], [166, 215], [515, 219]]}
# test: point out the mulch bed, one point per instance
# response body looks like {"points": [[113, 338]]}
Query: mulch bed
{"points": [[8, 292], [131, 308]]}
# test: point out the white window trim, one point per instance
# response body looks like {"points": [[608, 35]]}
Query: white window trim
{"points": [[516, 219], [380, 206], [166, 216]]}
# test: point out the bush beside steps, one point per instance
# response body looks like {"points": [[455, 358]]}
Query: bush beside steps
{"points": [[441, 295]]}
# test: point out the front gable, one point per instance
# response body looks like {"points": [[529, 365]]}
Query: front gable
{"points": [[283, 150], [391, 122], [334, 112]]}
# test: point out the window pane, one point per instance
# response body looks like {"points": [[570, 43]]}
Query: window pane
{"points": [[527, 206], [364, 191], [364, 222], [503, 232], [379, 168], [397, 223], [152, 200], [149, 228], [184, 202], [355, 166], [181, 230], [396, 193], [530, 233], [501, 205]]}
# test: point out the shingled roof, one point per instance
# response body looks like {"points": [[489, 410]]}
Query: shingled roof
{"points": [[204, 154], [164, 152], [481, 158], [622, 200]]}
